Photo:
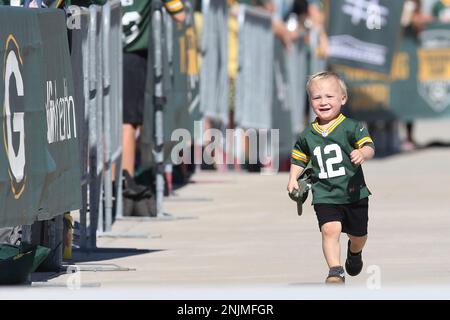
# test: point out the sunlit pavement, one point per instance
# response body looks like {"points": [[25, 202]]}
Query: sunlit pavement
{"points": [[239, 230]]}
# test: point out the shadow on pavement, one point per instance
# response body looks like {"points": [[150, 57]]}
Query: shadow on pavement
{"points": [[101, 254], [96, 255], [435, 144]]}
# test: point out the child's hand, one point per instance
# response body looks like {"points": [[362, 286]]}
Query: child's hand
{"points": [[357, 157], [292, 185]]}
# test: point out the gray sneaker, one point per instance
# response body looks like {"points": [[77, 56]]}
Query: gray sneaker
{"points": [[336, 275]]}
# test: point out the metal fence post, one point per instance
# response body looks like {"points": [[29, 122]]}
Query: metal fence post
{"points": [[214, 71], [316, 64], [115, 65], [158, 101], [99, 117], [296, 69], [107, 135], [168, 39], [93, 188], [254, 83], [80, 56], [85, 52]]}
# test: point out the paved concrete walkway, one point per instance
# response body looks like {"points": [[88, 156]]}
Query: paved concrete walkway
{"points": [[241, 230]]}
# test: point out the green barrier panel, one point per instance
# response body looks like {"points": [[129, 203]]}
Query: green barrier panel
{"points": [[418, 86], [289, 98], [180, 86], [39, 156], [362, 34], [421, 84]]}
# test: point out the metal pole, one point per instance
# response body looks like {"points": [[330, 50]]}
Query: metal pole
{"points": [[168, 32], [119, 199], [93, 188], [85, 131], [55, 235], [115, 66], [99, 109], [106, 19], [316, 63], [158, 101]]}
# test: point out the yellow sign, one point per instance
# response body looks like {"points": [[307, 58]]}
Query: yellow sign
{"points": [[370, 97], [434, 64]]}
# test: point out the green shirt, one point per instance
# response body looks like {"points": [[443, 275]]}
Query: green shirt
{"points": [[440, 9], [136, 21], [335, 179]]}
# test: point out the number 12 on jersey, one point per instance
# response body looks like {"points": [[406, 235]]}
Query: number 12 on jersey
{"points": [[330, 172]]}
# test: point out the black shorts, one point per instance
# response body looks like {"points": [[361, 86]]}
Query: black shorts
{"points": [[354, 217], [134, 79]]}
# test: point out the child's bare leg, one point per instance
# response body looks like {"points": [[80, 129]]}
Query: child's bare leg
{"points": [[357, 243], [354, 262], [129, 147], [330, 243]]}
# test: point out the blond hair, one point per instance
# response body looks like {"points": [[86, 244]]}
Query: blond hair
{"points": [[325, 75]]}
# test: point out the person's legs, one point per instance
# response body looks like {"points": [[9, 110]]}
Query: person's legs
{"points": [[409, 143], [357, 243], [330, 218], [409, 132], [330, 243], [129, 147], [331, 247], [354, 262], [207, 157], [355, 225], [134, 80]]}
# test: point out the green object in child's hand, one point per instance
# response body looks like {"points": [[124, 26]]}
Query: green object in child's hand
{"points": [[300, 195]]}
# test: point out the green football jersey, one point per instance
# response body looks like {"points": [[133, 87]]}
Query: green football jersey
{"points": [[136, 21], [441, 8], [335, 179]]}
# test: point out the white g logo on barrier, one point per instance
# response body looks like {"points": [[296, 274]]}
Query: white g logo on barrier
{"points": [[14, 123]]}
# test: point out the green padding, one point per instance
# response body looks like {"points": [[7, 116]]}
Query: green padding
{"points": [[17, 262], [41, 254], [46, 179]]}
